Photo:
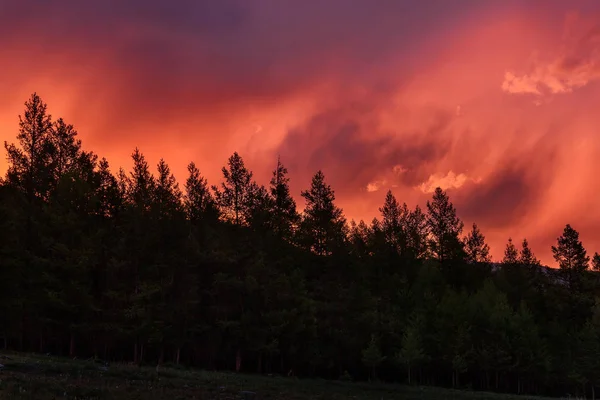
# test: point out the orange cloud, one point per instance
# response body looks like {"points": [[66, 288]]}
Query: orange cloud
{"points": [[446, 182], [576, 64]]}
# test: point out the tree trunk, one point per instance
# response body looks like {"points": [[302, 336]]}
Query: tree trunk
{"points": [[135, 352], [238, 361], [141, 354], [496, 379], [409, 374], [22, 330], [177, 355], [161, 357], [453, 379], [259, 366], [72, 346], [270, 364], [593, 392]]}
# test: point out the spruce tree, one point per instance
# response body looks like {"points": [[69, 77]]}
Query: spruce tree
{"points": [[571, 257], [511, 254], [66, 149], [233, 196], [140, 183], [391, 223], [285, 216], [476, 248], [167, 196], [29, 162], [323, 223], [444, 227], [259, 209], [198, 201], [513, 276], [416, 234], [136, 252], [526, 256], [108, 196], [596, 262]]}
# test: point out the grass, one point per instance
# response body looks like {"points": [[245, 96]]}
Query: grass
{"points": [[44, 378]]}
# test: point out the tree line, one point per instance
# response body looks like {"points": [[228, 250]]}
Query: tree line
{"points": [[129, 266]]}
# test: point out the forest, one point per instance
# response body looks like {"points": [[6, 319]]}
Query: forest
{"points": [[129, 266]]}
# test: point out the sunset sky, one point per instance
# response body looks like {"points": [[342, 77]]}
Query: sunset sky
{"points": [[495, 101]]}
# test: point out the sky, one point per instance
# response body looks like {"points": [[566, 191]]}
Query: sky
{"points": [[494, 101]]}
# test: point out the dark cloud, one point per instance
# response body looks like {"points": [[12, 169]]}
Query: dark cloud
{"points": [[245, 48], [501, 203], [514, 190], [352, 149], [192, 57]]}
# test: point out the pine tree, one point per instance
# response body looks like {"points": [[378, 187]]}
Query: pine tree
{"points": [[285, 216], [141, 183], [323, 224], [259, 209], [359, 237], [108, 196], [511, 254], [135, 253], [198, 202], [477, 250], [571, 257], [391, 223], [108, 209], [66, 149], [166, 196], [416, 234], [235, 192], [526, 256], [29, 173], [596, 262], [444, 227], [169, 285], [70, 211], [512, 276], [29, 163]]}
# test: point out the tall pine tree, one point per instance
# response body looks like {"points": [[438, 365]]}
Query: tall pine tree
{"points": [[444, 228], [323, 224], [571, 257], [285, 218], [391, 223], [476, 248], [234, 195]]}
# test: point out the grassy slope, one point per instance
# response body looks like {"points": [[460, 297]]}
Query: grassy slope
{"points": [[41, 378]]}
